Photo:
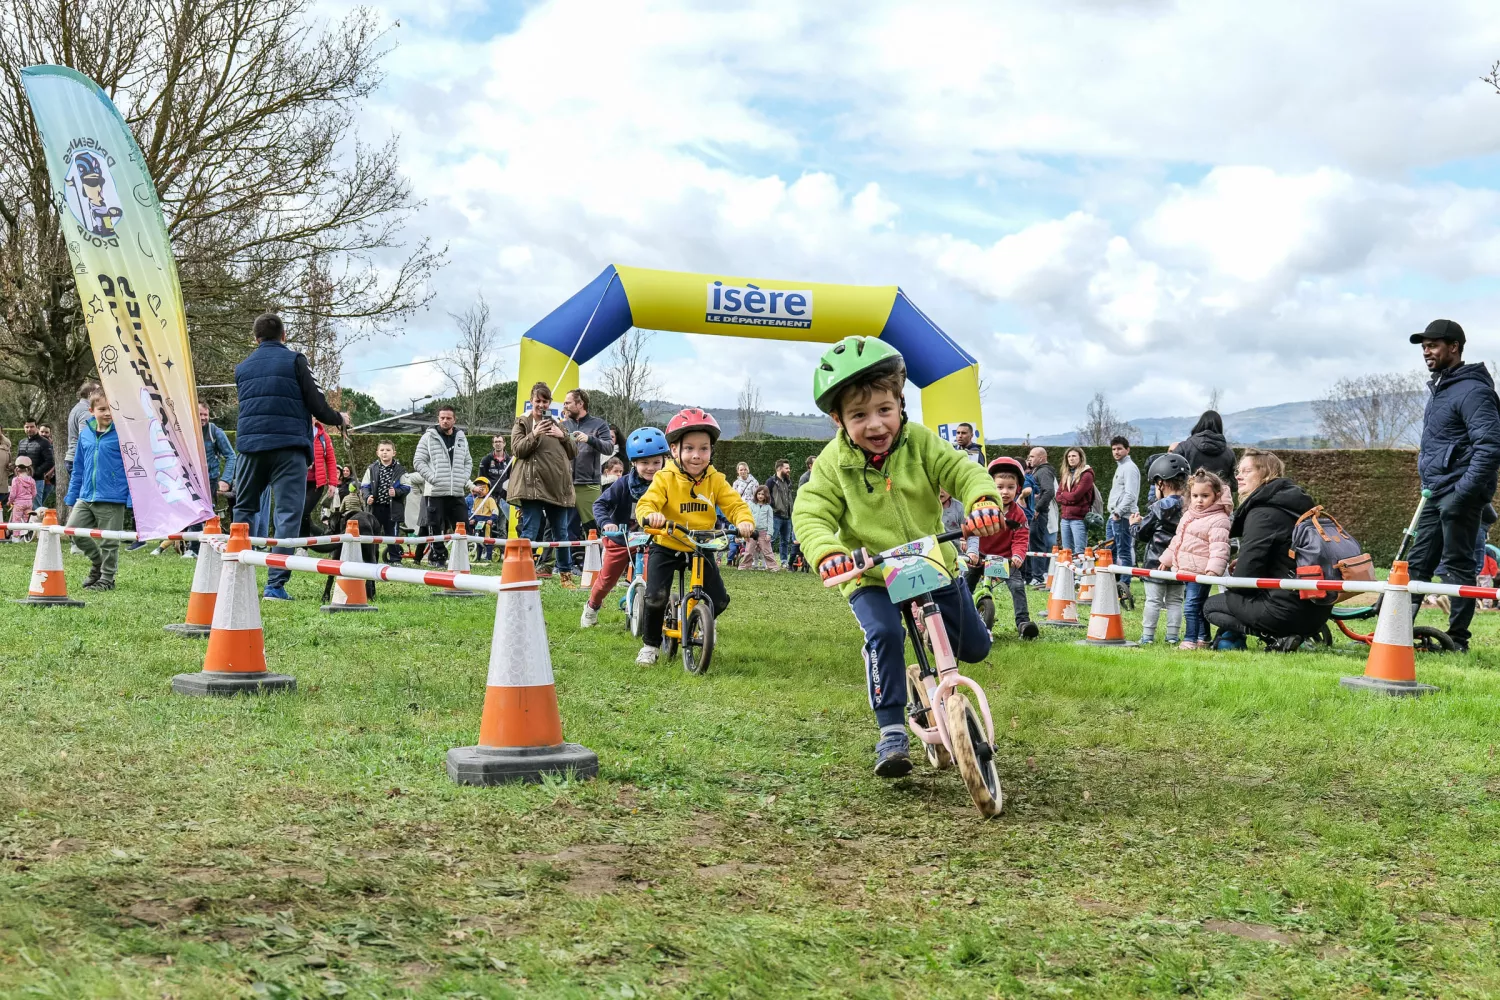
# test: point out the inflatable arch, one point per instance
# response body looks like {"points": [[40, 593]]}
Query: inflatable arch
{"points": [[621, 297]]}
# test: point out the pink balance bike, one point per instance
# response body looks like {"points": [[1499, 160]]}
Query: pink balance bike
{"points": [[941, 715]]}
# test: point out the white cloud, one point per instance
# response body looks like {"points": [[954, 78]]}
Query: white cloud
{"points": [[771, 141]]}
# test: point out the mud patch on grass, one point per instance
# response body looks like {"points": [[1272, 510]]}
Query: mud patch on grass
{"points": [[730, 869], [589, 869], [1249, 932]]}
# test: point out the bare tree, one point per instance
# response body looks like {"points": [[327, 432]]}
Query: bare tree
{"points": [[627, 380], [1102, 423], [473, 364], [1215, 397], [1372, 411], [751, 418], [244, 111]]}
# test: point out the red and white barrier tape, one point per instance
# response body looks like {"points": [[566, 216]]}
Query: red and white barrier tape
{"points": [[379, 572]]}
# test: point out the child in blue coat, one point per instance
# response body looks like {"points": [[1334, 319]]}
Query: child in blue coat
{"points": [[97, 491]]}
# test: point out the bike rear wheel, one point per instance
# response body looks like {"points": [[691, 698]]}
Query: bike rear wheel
{"points": [[1427, 639], [916, 694], [974, 755], [698, 638]]}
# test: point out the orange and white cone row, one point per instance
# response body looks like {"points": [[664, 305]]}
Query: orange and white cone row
{"points": [[458, 562], [1051, 569], [1086, 573], [1105, 626], [205, 589], [592, 563], [349, 595], [236, 658], [49, 584], [520, 730], [1062, 605], [1392, 664]]}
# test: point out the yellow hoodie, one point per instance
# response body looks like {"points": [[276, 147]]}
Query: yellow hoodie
{"points": [[690, 502]]}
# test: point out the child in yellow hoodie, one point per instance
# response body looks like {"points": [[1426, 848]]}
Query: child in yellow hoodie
{"points": [[685, 493]]}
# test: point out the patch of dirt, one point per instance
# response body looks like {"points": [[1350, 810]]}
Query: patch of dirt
{"points": [[705, 832], [1102, 908], [67, 845], [204, 876], [731, 868], [592, 869], [1249, 932], [1430, 917], [297, 873], [155, 911]]}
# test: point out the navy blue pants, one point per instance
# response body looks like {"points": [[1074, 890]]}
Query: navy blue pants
{"points": [[284, 470], [885, 642]]}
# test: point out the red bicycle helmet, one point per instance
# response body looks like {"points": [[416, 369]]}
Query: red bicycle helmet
{"points": [[692, 419], [1007, 464]]}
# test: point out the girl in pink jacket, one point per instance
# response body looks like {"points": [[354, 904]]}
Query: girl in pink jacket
{"points": [[1201, 545]]}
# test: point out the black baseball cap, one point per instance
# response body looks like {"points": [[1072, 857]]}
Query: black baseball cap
{"points": [[1440, 329]]}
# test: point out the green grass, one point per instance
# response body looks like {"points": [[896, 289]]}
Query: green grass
{"points": [[1202, 824]]}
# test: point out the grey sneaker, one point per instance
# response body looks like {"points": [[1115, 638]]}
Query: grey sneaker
{"points": [[893, 755], [590, 617]]}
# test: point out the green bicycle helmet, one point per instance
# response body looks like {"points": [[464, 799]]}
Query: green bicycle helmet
{"points": [[850, 359]]}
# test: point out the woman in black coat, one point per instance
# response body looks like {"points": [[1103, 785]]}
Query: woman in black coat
{"points": [[1263, 524], [1206, 448]]}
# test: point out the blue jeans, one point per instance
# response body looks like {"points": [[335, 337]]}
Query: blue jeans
{"points": [[781, 537], [1195, 626], [885, 642], [284, 470], [1073, 535], [1119, 529], [1041, 541], [534, 513]]}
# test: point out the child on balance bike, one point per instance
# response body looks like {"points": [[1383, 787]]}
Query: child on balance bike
{"points": [[875, 486], [614, 512], [685, 492], [1009, 542]]}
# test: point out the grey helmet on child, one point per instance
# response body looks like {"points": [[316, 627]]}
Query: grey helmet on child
{"points": [[1168, 465]]}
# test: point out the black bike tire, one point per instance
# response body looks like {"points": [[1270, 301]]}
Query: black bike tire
{"points": [[700, 622], [986, 608]]}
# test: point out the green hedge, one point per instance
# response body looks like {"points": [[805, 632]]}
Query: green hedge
{"points": [[1372, 493]]}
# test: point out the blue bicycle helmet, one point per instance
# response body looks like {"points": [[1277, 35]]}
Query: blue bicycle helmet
{"points": [[645, 442]]}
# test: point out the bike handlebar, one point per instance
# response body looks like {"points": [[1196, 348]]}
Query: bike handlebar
{"points": [[863, 560]]}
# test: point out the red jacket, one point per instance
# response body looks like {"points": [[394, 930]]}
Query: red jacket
{"points": [[1012, 538], [324, 470], [1073, 504]]}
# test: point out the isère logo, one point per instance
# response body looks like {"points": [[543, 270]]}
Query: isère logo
{"points": [[750, 305]]}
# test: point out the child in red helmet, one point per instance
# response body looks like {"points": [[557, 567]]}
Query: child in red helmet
{"points": [[685, 493], [1010, 541]]}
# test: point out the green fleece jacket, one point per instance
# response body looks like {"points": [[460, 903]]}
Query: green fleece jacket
{"points": [[849, 504]]}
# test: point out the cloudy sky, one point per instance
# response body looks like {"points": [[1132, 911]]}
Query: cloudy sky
{"points": [[1149, 199]]}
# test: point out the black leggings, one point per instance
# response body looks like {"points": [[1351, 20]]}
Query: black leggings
{"points": [[662, 565]]}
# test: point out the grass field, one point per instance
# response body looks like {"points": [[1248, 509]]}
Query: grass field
{"points": [[1223, 825]]}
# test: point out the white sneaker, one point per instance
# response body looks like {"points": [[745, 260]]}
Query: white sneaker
{"points": [[188, 554], [590, 617], [156, 552], [647, 656]]}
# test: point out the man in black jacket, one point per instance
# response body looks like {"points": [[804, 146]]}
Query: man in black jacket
{"points": [[1458, 462], [1046, 489], [783, 496]]}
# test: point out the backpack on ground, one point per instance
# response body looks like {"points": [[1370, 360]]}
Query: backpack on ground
{"points": [[1325, 551]]}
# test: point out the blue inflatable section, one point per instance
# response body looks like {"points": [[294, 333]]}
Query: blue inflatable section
{"points": [[929, 352], [599, 311]]}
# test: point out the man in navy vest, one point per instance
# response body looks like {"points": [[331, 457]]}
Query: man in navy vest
{"points": [[278, 401]]}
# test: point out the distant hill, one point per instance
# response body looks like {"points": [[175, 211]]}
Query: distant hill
{"points": [[808, 426], [1284, 422]]}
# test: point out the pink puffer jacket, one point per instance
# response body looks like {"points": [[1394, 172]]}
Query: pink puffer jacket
{"points": [[1201, 544]]}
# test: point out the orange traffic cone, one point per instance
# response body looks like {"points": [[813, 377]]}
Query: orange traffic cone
{"points": [[1086, 584], [49, 584], [1392, 664], [236, 659], [1051, 568], [1105, 626], [592, 564], [205, 588], [458, 562], [349, 595], [520, 732], [1062, 605]]}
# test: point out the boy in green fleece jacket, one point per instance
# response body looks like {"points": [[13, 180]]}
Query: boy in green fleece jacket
{"points": [[875, 486]]}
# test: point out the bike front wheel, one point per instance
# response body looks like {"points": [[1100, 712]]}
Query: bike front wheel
{"points": [[635, 608], [974, 755], [698, 638], [986, 608]]}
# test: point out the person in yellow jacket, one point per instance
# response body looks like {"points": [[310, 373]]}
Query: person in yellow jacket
{"points": [[686, 492]]}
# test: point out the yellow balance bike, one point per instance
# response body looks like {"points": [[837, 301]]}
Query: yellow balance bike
{"points": [[689, 621]]}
